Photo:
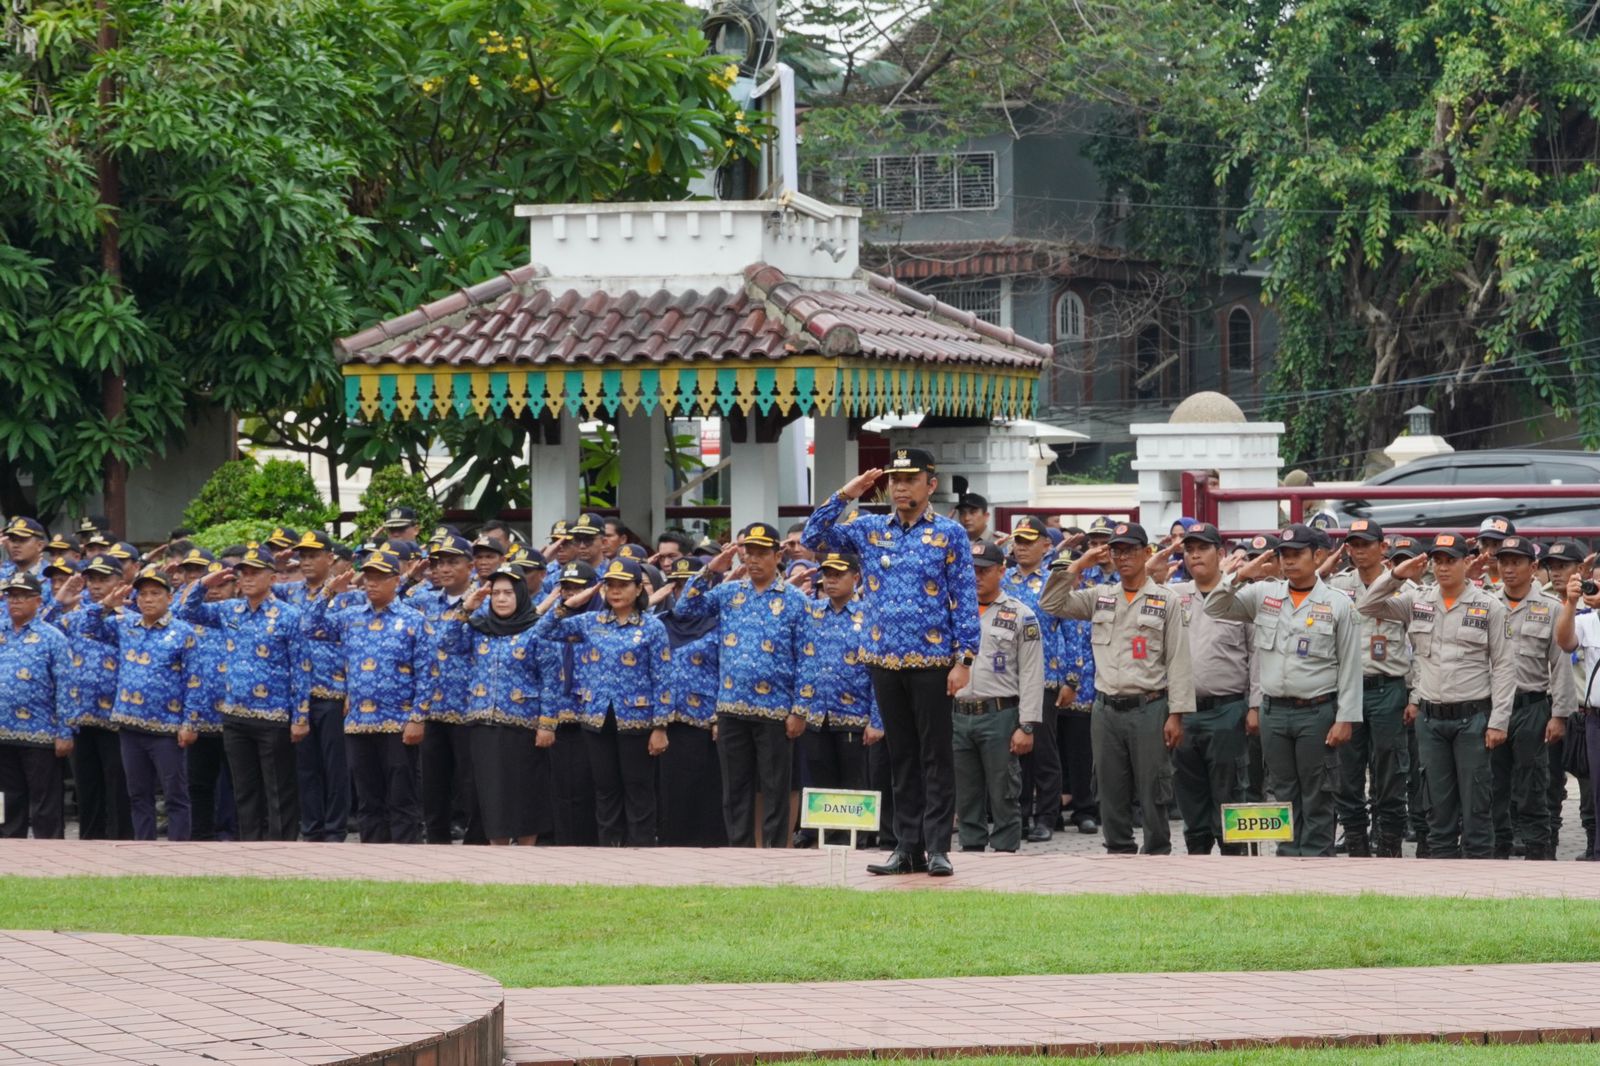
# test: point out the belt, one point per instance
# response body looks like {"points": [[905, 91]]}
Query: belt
{"points": [[1133, 702], [1299, 702], [1371, 681], [989, 706], [1211, 703], [1592, 712], [1454, 712], [1528, 699]]}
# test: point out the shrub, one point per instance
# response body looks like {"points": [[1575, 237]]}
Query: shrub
{"points": [[223, 497], [390, 487]]}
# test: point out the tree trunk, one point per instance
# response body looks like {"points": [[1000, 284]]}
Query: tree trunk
{"points": [[113, 397]]}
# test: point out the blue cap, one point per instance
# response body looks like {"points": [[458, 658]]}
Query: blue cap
{"points": [[623, 570], [451, 544]]}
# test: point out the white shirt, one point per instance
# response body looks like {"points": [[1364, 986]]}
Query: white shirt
{"points": [[1587, 628]]}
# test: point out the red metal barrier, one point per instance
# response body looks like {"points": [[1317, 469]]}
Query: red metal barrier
{"points": [[1204, 499]]}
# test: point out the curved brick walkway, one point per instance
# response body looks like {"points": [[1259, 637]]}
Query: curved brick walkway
{"points": [[734, 1025], [77, 998], [1026, 872]]}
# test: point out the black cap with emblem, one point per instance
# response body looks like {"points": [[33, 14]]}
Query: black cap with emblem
{"points": [[1129, 533], [840, 561], [1205, 533], [986, 554], [1364, 529], [911, 461], [1519, 546]]}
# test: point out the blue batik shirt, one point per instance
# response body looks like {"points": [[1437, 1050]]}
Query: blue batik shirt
{"points": [[762, 632], [327, 657], [921, 592], [507, 679], [695, 678], [159, 688], [622, 667], [36, 677], [388, 661], [209, 667], [835, 689], [265, 666], [94, 671], [455, 670]]}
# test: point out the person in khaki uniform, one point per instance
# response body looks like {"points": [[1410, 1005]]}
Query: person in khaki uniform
{"points": [[1211, 766], [1546, 696], [1144, 681], [1461, 700], [997, 712], [1309, 641], [1378, 746]]}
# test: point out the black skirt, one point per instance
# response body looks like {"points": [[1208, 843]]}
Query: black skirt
{"points": [[512, 774]]}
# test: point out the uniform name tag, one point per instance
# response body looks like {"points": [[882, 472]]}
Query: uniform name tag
{"points": [[999, 662], [1141, 648], [1422, 612], [1380, 649], [1155, 607], [1476, 621], [1271, 603], [1302, 647], [1104, 601]]}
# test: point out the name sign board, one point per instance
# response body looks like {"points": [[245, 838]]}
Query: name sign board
{"points": [[1254, 823], [822, 808]]}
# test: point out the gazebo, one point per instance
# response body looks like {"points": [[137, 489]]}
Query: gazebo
{"points": [[756, 312]]}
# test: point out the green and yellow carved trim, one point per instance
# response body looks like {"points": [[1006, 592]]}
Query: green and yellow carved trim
{"points": [[809, 385]]}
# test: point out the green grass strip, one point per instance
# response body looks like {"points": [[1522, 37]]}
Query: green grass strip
{"points": [[551, 935]]}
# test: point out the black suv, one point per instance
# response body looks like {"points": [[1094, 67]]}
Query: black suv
{"points": [[1507, 466]]}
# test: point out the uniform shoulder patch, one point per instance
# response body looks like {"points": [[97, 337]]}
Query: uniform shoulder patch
{"points": [[1030, 631]]}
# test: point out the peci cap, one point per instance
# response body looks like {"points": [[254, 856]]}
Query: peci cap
{"points": [[578, 573], [759, 534], [623, 570], [843, 561], [1029, 528], [911, 461], [973, 501], [1364, 529], [1205, 533], [1519, 546], [1130, 533], [400, 518], [1448, 544], [985, 554], [26, 528]]}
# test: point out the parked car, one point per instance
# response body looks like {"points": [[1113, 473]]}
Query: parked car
{"points": [[1503, 466]]}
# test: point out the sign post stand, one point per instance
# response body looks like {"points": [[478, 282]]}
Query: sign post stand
{"points": [[824, 809], [1257, 823]]}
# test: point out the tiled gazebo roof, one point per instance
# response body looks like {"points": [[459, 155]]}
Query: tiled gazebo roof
{"points": [[521, 340]]}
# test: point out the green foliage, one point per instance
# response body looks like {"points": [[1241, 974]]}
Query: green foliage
{"points": [[390, 487], [280, 493], [238, 531], [1118, 468]]}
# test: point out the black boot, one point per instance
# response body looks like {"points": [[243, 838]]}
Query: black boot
{"points": [[1355, 843], [1423, 850], [1388, 846]]}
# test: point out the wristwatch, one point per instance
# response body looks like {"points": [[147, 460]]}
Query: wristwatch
{"points": [[1027, 728], [968, 658]]}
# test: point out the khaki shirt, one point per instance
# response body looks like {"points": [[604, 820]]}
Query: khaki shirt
{"points": [[1010, 659], [1462, 653], [1541, 665], [1141, 646], [1306, 651], [1222, 646], [1384, 648]]}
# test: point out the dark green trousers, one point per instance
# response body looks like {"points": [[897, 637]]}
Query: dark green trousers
{"points": [[1130, 760], [1458, 786], [1520, 769], [1302, 770], [988, 780], [1209, 769], [1377, 749]]}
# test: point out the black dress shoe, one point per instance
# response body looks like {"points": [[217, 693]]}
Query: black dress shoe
{"points": [[939, 864], [1039, 834], [902, 862], [974, 847], [1087, 825]]}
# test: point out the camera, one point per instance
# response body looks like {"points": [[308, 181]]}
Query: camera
{"points": [[1589, 588]]}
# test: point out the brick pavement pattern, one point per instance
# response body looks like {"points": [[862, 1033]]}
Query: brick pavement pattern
{"points": [[70, 999], [1029, 871], [734, 1025]]}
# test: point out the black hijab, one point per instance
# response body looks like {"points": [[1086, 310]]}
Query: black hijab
{"points": [[490, 624], [681, 630]]}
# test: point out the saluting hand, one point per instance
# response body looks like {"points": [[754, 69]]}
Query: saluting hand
{"points": [[340, 583], [861, 484], [1476, 565], [475, 598], [1331, 563], [1100, 557], [71, 592], [579, 600], [1412, 569], [216, 578], [1159, 565], [116, 597], [723, 562]]}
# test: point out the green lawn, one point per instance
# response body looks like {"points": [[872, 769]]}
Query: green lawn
{"points": [[527, 936], [1394, 1055]]}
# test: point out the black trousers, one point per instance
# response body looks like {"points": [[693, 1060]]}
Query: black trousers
{"points": [[689, 802], [1041, 768], [572, 790], [210, 788], [103, 812], [755, 753], [1077, 763], [836, 758], [35, 791], [915, 708], [384, 769], [323, 774], [261, 759], [447, 785], [624, 784], [880, 778]]}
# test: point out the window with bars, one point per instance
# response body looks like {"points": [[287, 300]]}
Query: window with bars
{"points": [[981, 299], [907, 184], [1241, 341], [1069, 318]]}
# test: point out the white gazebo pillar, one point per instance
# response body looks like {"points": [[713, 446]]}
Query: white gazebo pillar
{"points": [[642, 472], [553, 474], [835, 458], [1206, 432], [752, 482]]}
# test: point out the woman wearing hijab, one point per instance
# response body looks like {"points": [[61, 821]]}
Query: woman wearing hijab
{"points": [[508, 734], [691, 777], [1180, 528]]}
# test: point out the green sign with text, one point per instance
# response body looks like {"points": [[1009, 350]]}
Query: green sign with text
{"points": [[822, 808], [1254, 823]]}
